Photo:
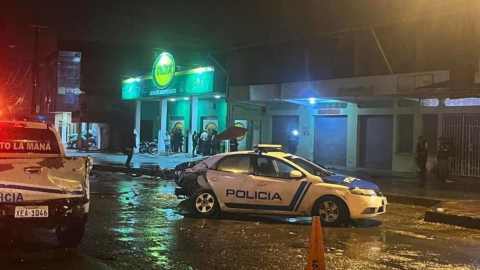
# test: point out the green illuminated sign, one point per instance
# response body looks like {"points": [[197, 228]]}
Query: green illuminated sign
{"points": [[188, 82], [163, 70]]}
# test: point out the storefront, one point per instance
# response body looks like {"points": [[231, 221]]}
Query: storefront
{"points": [[174, 99]]}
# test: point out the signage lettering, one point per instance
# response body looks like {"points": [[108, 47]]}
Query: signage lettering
{"points": [[11, 197], [257, 195], [30, 146], [163, 70]]}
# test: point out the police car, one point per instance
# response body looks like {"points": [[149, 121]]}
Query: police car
{"points": [[266, 181], [39, 186]]}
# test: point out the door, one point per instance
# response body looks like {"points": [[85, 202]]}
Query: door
{"points": [[376, 141], [282, 128], [464, 132], [146, 130], [256, 132], [232, 182], [330, 140], [275, 191]]}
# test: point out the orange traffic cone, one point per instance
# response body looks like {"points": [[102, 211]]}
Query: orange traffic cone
{"points": [[316, 256]]}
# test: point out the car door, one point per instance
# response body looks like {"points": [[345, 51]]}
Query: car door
{"points": [[232, 181], [275, 190]]}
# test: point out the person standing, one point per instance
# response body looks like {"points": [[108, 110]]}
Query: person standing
{"points": [[129, 146], [186, 140], [204, 139], [292, 144], [214, 142], [194, 142], [233, 145], [421, 155], [450, 159], [442, 158], [167, 138]]}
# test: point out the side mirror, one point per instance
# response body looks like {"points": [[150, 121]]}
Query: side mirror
{"points": [[296, 174]]}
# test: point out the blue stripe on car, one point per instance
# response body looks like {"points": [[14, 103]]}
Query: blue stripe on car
{"points": [[45, 190]]}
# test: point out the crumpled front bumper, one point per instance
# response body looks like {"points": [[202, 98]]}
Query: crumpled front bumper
{"points": [[60, 212]]}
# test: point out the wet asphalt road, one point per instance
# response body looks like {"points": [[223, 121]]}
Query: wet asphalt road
{"points": [[128, 231]]}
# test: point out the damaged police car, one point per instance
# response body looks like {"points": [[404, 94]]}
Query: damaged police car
{"points": [[267, 181]]}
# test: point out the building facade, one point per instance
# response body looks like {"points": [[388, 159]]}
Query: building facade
{"points": [[173, 98], [366, 122]]}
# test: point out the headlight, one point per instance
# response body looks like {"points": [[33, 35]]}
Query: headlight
{"points": [[363, 192]]}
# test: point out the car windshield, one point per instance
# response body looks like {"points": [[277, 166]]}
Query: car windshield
{"points": [[310, 166]]}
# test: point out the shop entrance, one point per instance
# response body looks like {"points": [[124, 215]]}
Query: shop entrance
{"points": [[330, 141], [146, 130], [375, 141], [282, 128], [464, 131]]}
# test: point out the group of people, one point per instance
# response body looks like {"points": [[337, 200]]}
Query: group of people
{"points": [[445, 156], [174, 140], [206, 143]]}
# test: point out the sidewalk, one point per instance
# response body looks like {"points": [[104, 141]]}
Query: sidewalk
{"points": [[145, 161]]}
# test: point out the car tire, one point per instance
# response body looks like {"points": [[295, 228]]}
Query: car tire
{"points": [[70, 235], [332, 211], [205, 204]]}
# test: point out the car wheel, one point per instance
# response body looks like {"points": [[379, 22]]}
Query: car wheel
{"points": [[205, 204], [70, 235], [331, 210]]}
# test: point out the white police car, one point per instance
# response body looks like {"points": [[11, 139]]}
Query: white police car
{"points": [[266, 181]]}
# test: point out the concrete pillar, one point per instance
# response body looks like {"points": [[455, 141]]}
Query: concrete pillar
{"points": [[163, 123], [64, 127], [193, 121], [138, 117], [79, 135], [352, 136]]}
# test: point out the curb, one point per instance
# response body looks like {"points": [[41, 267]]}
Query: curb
{"points": [[431, 215], [156, 171], [411, 200]]}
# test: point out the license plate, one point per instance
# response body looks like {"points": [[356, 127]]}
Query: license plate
{"points": [[31, 211]]}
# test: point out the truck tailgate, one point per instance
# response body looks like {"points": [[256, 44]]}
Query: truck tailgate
{"points": [[40, 179]]}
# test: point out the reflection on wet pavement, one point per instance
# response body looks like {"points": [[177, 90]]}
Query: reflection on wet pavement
{"points": [[130, 228]]}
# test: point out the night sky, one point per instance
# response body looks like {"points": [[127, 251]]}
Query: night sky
{"points": [[212, 24]]}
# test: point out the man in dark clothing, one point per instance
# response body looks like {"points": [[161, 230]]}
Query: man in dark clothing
{"points": [[443, 153], [129, 146], [293, 143], [233, 145], [194, 142], [421, 155]]}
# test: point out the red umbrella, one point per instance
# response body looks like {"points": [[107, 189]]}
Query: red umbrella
{"points": [[232, 132]]}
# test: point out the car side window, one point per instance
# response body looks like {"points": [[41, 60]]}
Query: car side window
{"points": [[235, 164], [283, 169], [264, 167]]}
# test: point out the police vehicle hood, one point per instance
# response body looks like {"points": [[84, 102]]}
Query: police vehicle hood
{"points": [[348, 181]]}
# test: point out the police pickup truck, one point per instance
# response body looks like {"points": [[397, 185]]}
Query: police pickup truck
{"points": [[39, 186], [267, 181]]}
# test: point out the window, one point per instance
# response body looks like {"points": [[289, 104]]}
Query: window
{"points": [[462, 102], [236, 164], [283, 169], [27, 140], [405, 133], [265, 167], [269, 167]]}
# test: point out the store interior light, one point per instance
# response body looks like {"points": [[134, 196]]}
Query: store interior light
{"points": [[217, 96], [186, 98], [311, 100], [130, 80], [172, 99], [138, 79]]}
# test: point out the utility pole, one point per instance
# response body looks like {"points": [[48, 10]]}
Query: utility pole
{"points": [[35, 69]]}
